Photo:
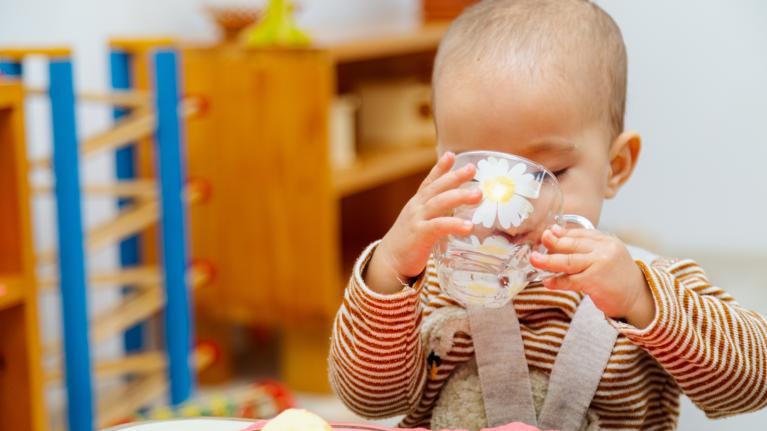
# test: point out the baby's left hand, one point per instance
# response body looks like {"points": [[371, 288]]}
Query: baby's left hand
{"points": [[600, 266]]}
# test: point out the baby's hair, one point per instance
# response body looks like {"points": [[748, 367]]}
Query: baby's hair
{"points": [[573, 41]]}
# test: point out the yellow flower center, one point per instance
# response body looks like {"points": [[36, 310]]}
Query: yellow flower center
{"points": [[494, 249], [499, 189], [482, 289]]}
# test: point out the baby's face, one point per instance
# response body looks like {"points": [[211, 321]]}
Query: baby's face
{"points": [[545, 123]]}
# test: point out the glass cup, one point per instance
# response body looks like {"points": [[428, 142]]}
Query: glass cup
{"points": [[520, 199]]}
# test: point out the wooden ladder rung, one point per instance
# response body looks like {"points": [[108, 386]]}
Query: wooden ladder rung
{"points": [[123, 98], [137, 125], [125, 401], [120, 403], [129, 222], [138, 363], [133, 276], [197, 276], [142, 391], [120, 189], [135, 308], [194, 191]]}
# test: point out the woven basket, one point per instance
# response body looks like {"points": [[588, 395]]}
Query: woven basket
{"points": [[231, 20]]}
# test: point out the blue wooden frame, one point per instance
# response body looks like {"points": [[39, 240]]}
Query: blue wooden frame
{"points": [[125, 169], [175, 257], [12, 69], [71, 254]]}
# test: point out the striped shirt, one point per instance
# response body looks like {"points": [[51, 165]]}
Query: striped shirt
{"points": [[701, 343]]}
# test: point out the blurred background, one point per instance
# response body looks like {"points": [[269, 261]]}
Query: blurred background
{"points": [[288, 151]]}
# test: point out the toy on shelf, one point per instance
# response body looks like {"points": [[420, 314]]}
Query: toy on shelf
{"points": [[277, 28], [144, 202]]}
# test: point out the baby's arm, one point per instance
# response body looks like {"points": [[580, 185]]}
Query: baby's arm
{"points": [[714, 349], [377, 365]]}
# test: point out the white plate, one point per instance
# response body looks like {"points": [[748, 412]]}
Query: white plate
{"points": [[200, 424]]}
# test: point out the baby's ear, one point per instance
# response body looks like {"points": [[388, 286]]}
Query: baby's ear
{"points": [[624, 153]]}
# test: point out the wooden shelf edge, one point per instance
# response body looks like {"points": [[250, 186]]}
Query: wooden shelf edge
{"points": [[365, 47], [376, 167], [18, 53]]}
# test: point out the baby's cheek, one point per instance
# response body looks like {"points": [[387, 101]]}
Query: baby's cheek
{"points": [[581, 198]]}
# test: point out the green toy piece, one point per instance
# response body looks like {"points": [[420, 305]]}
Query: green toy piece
{"points": [[277, 28]]}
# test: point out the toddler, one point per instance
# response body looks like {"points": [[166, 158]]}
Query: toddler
{"points": [[611, 343]]}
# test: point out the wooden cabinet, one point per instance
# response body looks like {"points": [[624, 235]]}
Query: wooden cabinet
{"points": [[20, 384], [282, 226]]}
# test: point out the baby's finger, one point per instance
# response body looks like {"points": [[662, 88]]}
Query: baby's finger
{"points": [[442, 166], [575, 232], [449, 181], [561, 282], [566, 263], [567, 244], [445, 202], [442, 226]]}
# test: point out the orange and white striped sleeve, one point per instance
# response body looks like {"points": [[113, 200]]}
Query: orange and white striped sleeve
{"points": [[376, 364], [715, 350]]}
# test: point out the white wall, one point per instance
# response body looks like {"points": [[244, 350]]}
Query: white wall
{"points": [[698, 96], [697, 93]]}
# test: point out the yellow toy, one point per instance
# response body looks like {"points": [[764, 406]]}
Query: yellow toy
{"points": [[277, 28]]}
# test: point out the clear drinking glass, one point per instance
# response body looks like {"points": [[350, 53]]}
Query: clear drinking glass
{"points": [[520, 200]]}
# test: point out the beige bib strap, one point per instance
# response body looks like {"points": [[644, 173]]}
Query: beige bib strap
{"points": [[503, 373], [578, 368]]}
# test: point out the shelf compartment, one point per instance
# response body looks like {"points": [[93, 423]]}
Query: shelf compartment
{"points": [[377, 167]]}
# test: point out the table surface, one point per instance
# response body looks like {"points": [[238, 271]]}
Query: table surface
{"points": [[218, 424]]}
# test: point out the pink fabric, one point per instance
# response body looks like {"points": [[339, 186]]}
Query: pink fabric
{"points": [[516, 426]]}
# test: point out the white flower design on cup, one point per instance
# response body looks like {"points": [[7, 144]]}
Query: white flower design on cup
{"points": [[505, 192]]}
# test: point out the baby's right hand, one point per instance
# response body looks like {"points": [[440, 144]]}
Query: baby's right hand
{"points": [[404, 251]]}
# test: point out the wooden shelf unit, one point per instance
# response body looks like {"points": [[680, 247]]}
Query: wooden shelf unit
{"points": [[282, 225], [21, 405]]}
